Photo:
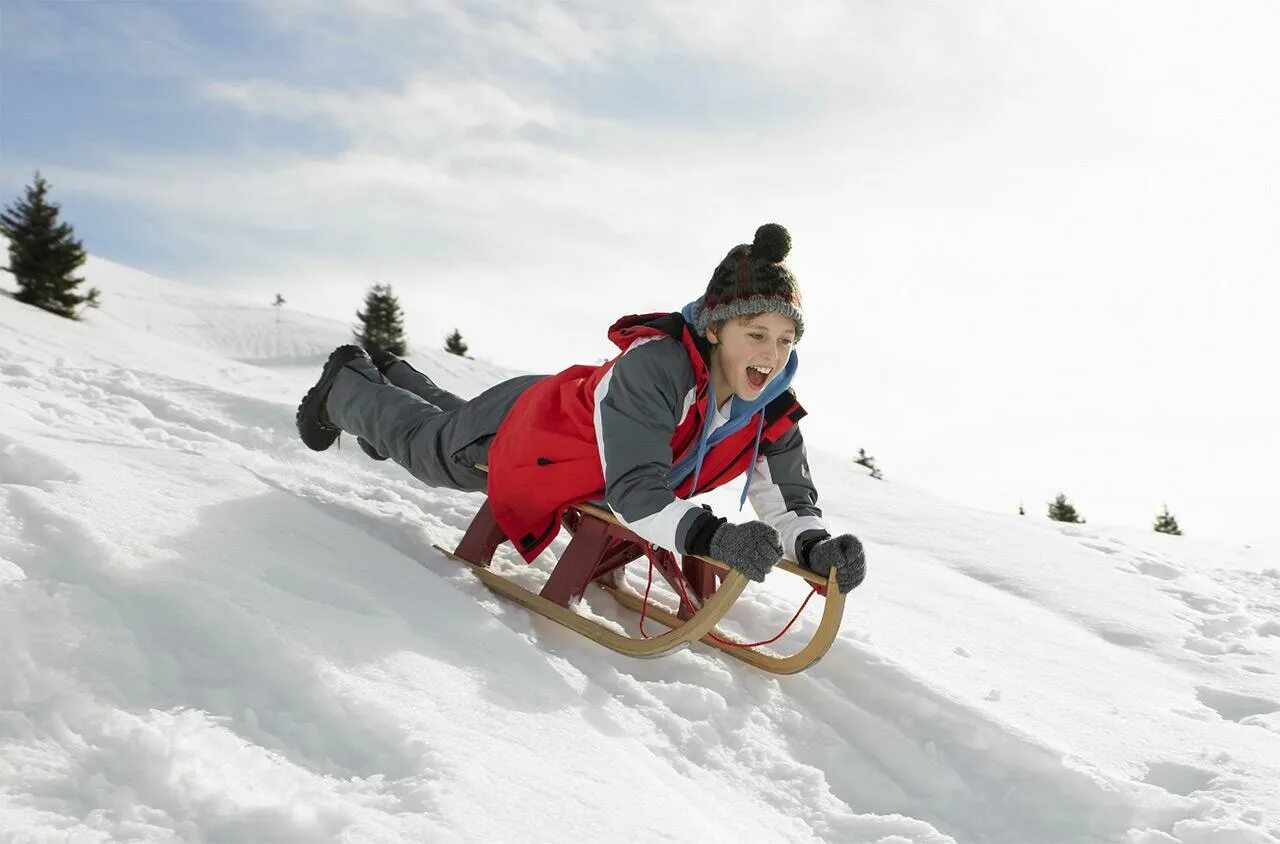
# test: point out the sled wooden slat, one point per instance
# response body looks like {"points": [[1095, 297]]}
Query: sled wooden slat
{"points": [[680, 634], [819, 644]]}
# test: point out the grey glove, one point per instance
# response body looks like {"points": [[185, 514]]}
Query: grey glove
{"points": [[751, 548], [844, 554]]}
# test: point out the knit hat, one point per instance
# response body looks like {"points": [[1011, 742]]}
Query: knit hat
{"points": [[752, 280]]}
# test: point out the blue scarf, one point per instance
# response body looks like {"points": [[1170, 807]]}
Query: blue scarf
{"points": [[740, 414]]}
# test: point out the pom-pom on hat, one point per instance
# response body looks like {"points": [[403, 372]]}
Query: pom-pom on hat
{"points": [[752, 280]]}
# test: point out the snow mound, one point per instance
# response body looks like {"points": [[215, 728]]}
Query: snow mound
{"points": [[208, 632]]}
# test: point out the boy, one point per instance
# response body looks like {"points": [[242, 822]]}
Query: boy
{"points": [[694, 400]]}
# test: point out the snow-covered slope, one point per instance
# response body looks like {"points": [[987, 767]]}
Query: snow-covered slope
{"points": [[209, 633]]}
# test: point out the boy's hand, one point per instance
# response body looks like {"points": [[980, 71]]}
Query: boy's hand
{"points": [[752, 548], [844, 553]]}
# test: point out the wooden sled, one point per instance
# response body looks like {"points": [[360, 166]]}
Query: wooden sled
{"points": [[600, 546]]}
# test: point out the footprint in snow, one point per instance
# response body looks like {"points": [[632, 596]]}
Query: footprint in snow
{"points": [[1215, 647], [1202, 603], [1176, 778], [1155, 568], [1123, 638], [1233, 706]]}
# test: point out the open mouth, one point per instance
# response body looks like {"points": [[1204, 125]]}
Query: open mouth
{"points": [[758, 375]]}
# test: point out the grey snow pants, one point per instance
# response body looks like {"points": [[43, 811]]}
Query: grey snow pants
{"points": [[433, 433]]}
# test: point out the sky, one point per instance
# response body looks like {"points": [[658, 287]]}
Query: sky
{"points": [[1036, 241]]}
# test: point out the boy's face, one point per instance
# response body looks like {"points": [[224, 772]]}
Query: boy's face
{"points": [[749, 353]]}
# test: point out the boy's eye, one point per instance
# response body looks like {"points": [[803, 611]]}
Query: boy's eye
{"points": [[757, 336]]}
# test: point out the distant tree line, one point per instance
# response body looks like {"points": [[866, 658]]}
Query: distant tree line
{"points": [[44, 256], [1060, 509]]}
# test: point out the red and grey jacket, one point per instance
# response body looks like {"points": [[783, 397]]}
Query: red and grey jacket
{"points": [[612, 432]]}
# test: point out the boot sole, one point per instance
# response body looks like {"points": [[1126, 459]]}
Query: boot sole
{"points": [[323, 436]]}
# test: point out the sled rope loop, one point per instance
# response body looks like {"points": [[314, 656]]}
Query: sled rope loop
{"points": [[729, 643]]}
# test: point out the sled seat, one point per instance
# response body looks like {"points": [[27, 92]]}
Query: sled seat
{"points": [[600, 547]]}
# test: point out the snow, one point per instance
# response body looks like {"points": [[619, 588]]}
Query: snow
{"points": [[209, 633]]}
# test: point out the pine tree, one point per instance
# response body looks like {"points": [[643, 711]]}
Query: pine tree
{"points": [[453, 344], [1166, 523], [44, 253], [1021, 512], [1061, 511], [381, 326], [864, 459], [278, 304]]}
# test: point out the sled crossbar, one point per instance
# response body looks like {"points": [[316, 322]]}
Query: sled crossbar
{"points": [[600, 546]]}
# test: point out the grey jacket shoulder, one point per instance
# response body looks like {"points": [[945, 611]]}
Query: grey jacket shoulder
{"points": [[657, 369], [639, 403]]}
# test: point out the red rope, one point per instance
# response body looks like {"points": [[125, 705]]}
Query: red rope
{"points": [[781, 633], [726, 642], [644, 609]]}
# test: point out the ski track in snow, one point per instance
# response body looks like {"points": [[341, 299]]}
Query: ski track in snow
{"points": [[209, 634]]}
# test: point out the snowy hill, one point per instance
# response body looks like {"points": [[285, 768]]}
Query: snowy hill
{"points": [[209, 633]]}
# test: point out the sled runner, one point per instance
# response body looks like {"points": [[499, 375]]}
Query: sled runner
{"points": [[600, 546]]}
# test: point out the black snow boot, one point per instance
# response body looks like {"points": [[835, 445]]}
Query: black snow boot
{"points": [[313, 423]]}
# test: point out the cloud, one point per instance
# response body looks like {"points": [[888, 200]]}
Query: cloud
{"points": [[415, 119], [478, 36]]}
